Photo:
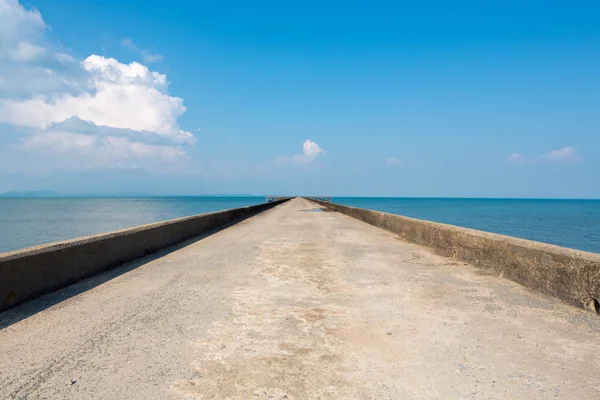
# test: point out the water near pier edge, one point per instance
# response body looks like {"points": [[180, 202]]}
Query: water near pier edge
{"points": [[32, 221], [568, 223], [26, 222]]}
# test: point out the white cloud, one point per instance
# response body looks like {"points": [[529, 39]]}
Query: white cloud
{"points": [[393, 162], [564, 155], [25, 52], [147, 56], [152, 58], [28, 62], [64, 57], [515, 158], [20, 27], [310, 151], [101, 151], [117, 95], [97, 110]]}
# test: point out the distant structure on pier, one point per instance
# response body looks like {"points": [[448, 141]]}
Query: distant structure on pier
{"points": [[271, 199], [320, 198]]}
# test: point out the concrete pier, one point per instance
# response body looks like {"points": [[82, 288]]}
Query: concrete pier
{"points": [[298, 303]]}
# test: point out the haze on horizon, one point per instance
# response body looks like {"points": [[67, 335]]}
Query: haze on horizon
{"points": [[432, 99]]}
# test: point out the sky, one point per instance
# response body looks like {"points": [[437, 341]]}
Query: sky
{"points": [[353, 98]]}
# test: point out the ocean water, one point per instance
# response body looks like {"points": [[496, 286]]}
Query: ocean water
{"points": [[568, 223], [32, 221], [26, 222]]}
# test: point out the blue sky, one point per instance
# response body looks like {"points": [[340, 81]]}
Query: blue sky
{"points": [[444, 99]]}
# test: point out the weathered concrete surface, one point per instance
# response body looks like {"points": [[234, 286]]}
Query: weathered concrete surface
{"points": [[299, 305], [571, 275], [27, 273]]}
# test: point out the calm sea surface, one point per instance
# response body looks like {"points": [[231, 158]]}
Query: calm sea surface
{"points": [[569, 223], [32, 221]]}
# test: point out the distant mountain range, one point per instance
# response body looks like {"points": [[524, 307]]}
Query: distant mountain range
{"points": [[34, 193], [50, 193]]}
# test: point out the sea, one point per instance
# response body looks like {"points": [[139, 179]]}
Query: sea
{"points": [[568, 223], [26, 222]]}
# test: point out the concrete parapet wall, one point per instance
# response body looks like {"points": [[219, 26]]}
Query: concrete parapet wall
{"points": [[571, 275], [34, 271]]}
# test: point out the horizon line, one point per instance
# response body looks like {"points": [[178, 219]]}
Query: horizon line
{"points": [[51, 194]]}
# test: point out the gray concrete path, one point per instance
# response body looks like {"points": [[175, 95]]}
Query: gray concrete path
{"points": [[296, 304]]}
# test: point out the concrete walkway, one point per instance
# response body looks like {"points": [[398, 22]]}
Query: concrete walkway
{"points": [[297, 304]]}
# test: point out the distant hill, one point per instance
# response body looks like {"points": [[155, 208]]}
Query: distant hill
{"points": [[35, 193], [49, 193], [126, 194]]}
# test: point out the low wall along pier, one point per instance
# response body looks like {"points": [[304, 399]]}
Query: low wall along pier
{"points": [[571, 275], [34, 271]]}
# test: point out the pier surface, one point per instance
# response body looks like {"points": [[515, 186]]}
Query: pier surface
{"points": [[296, 303]]}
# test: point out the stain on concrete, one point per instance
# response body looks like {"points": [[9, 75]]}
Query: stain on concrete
{"points": [[277, 342]]}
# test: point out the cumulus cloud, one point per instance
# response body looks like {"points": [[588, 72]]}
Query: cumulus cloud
{"points": [[310, 151], [393, 162], [116, 95], [147, 56], [25, 52], [19, 30], [28, 62], [564, 155], [97, 110]]}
